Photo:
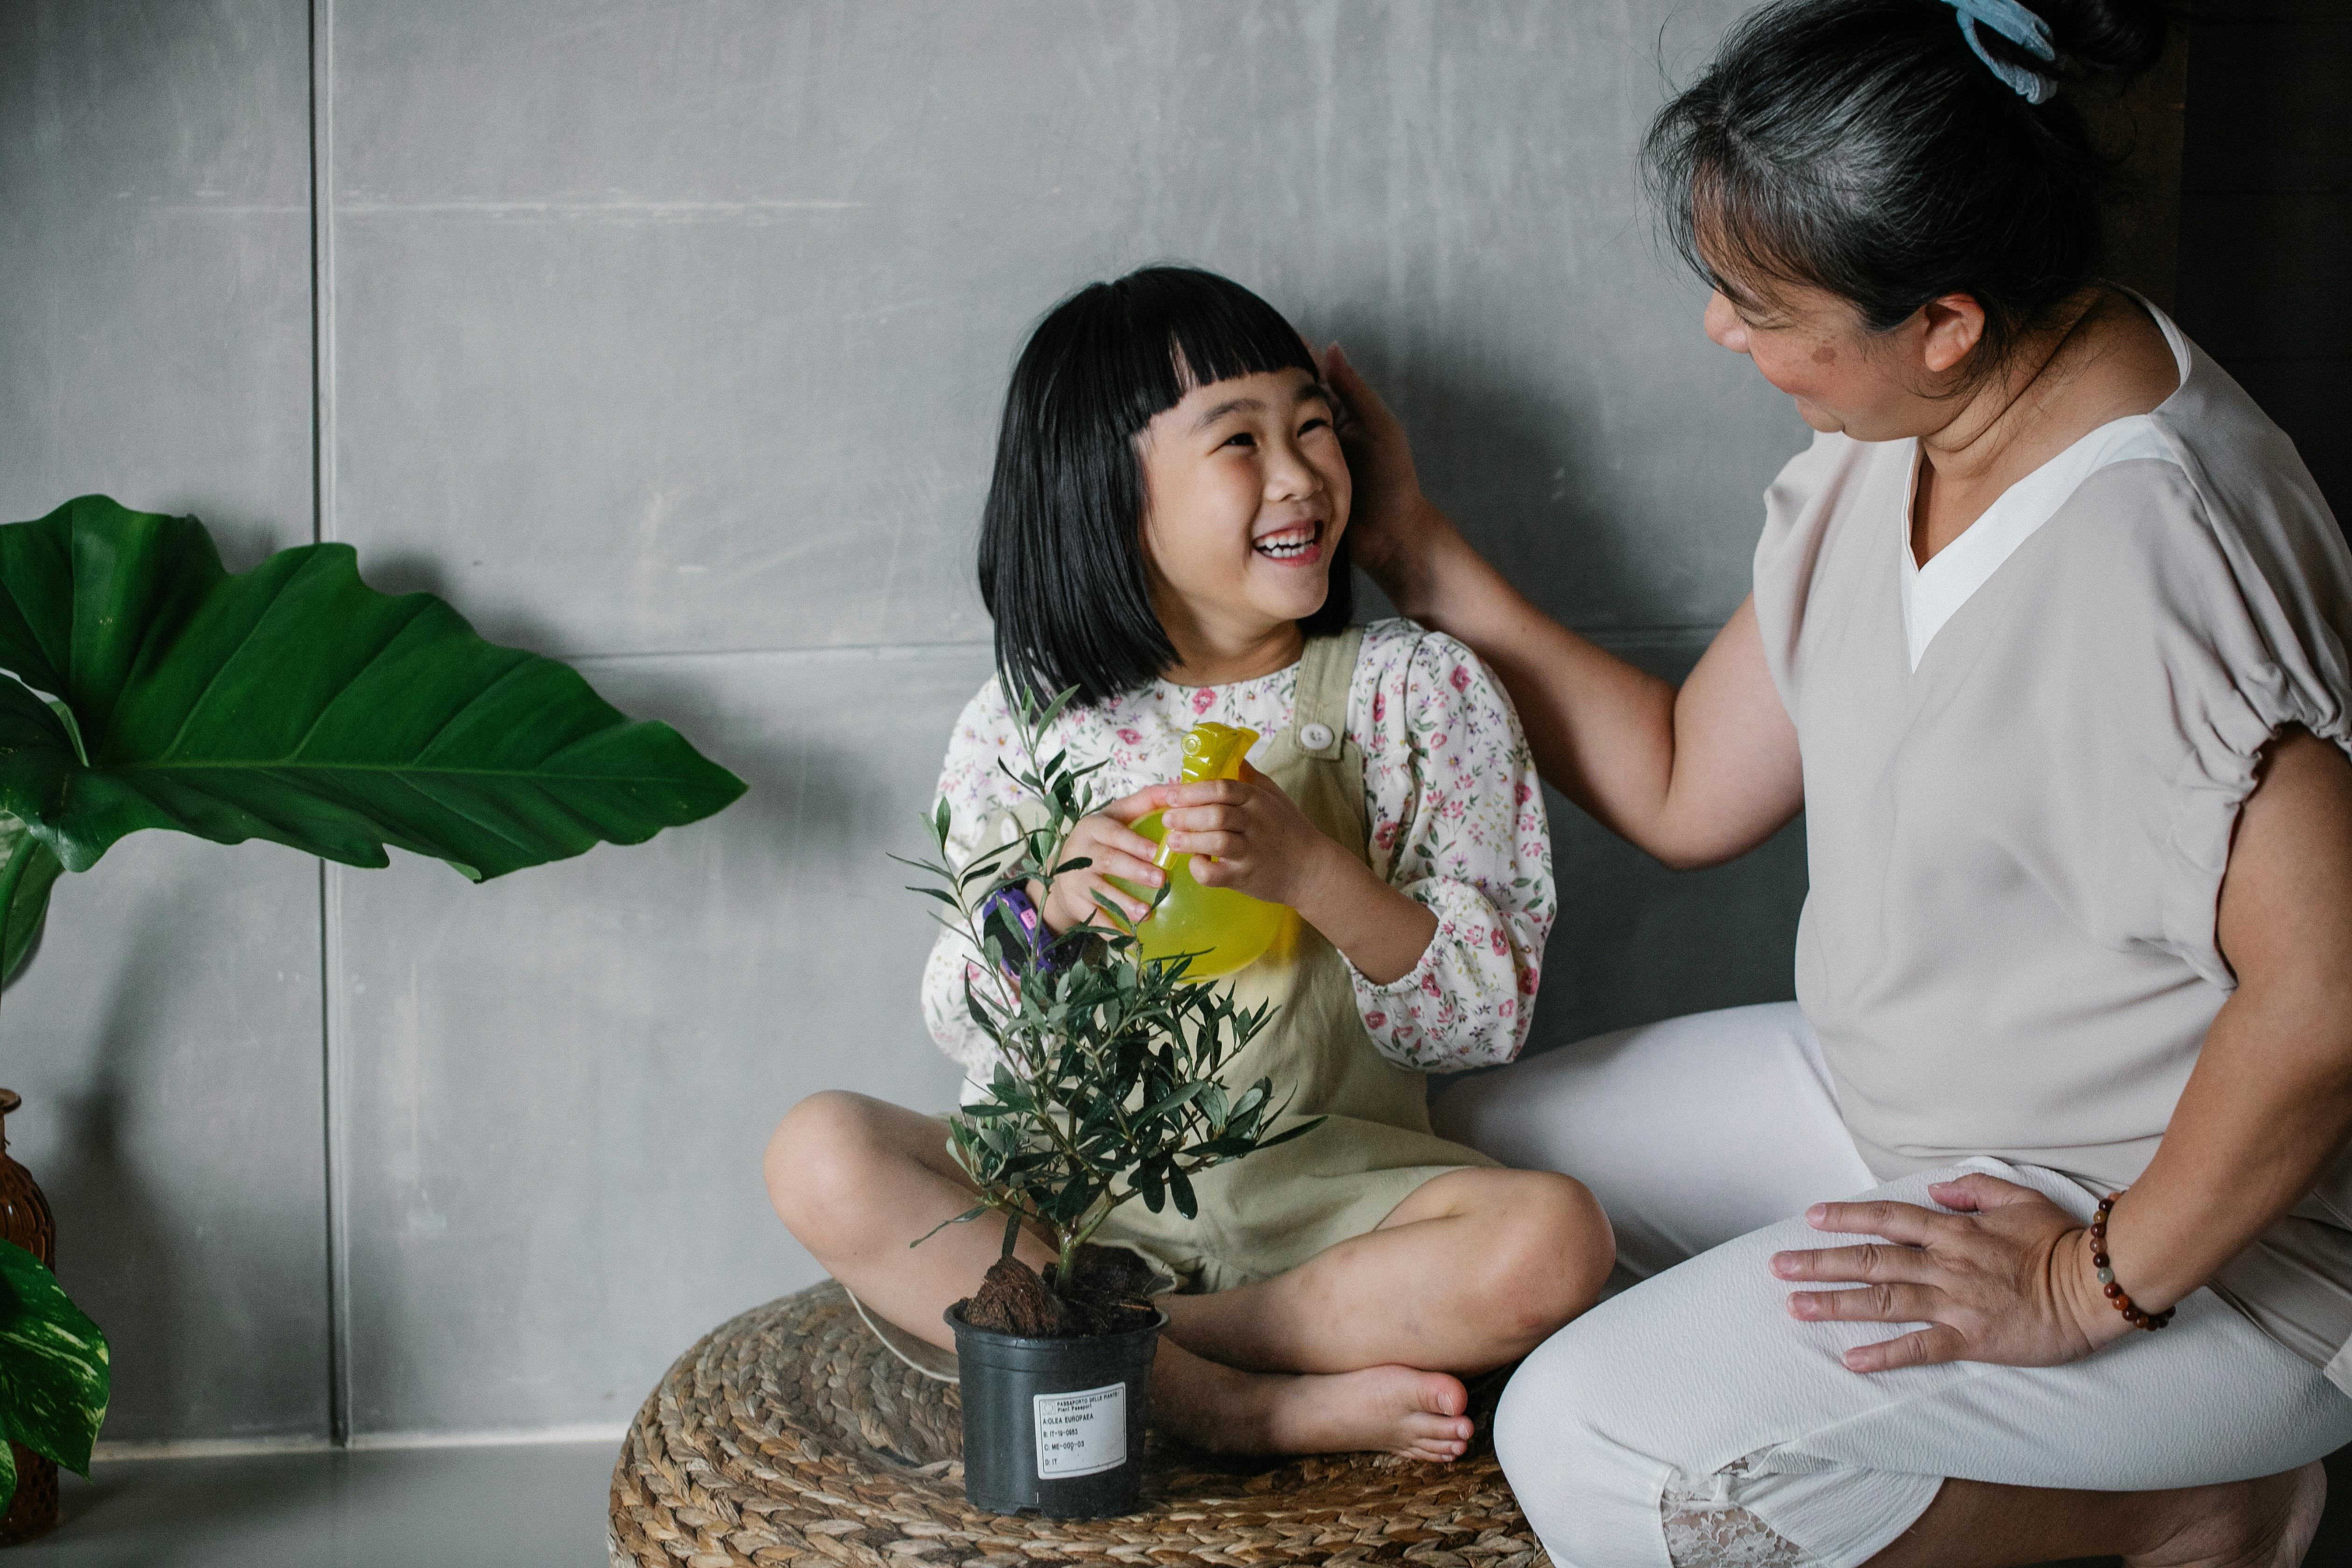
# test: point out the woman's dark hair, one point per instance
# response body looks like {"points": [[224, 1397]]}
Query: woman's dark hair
{"points": [[1062, 565], [1860, 146]]}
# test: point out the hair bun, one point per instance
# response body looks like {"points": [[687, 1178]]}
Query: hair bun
{"points": [[2115, 38]]}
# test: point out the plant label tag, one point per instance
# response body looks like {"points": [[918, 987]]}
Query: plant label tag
{"points": [[1082, 1433]]}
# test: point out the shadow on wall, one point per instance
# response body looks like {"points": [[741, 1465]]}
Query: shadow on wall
{"points": [[1509, 462], [108, 1211], [1634, 942]]}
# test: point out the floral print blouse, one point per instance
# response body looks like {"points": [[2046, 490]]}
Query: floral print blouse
{"points": [[1456, 814]]}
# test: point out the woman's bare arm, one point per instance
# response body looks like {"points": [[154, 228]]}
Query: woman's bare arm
{"points": [[1695, 776], [2268, 1110], [2266, 1113]]}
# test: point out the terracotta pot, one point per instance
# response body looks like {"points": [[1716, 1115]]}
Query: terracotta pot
{"points": [[25, 1219]]}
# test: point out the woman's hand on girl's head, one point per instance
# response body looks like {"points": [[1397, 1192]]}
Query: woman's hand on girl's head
{"points": [[1249, 835], [2007, 1280], [1391, 520], [1114, 850]]}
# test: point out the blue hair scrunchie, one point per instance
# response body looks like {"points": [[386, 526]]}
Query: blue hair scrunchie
{"points": [[2019, 27]]}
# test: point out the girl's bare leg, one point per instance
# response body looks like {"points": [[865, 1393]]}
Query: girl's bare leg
{"points": [[1470, 1272], [856, 1180]]}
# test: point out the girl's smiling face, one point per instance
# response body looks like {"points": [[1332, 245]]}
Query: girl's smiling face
{"points": [[1247, 496]]}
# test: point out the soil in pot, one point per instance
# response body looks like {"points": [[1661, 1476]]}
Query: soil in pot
{"points": [[1057, 1388]]}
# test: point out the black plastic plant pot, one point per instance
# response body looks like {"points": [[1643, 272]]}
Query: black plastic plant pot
{"points": [[1054, 1425]]}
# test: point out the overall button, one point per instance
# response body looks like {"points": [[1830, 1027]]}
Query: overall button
{"points": [[1314, 737]]}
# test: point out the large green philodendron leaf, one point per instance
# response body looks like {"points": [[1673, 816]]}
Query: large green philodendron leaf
{"points": [[53, 1368], [293, 703]]}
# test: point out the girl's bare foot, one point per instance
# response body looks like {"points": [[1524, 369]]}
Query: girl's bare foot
{"points": [[1384, 1409], [2264, 1523], [1393, 1409]]}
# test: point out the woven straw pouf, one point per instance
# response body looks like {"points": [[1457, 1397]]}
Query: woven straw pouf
{"points": [[792, 1435]]}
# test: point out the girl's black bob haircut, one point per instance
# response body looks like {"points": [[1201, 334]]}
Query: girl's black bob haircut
{"points": [[1062, 565]]}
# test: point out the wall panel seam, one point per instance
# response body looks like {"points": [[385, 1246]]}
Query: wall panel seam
{"points": [[1601, 634], [333, 1144]]}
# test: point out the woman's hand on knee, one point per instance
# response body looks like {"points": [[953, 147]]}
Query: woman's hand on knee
{"points": [[2008, 1279]]}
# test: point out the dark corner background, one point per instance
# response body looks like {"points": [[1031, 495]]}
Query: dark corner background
{"points": [[2238, 215], [2266, 219]]}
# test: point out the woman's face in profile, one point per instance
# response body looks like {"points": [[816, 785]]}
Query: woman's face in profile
{"points": [[1843, 375], [1811, 345]]}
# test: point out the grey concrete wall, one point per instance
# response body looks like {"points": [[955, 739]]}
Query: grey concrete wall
{"points": [[155, 344], [670, 340]]}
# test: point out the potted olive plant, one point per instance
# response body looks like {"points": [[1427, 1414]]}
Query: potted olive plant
{"points": [[1106, 1090], [142, 685]]}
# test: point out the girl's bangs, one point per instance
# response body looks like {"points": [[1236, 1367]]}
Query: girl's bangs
{"points": [[1187, 330]]}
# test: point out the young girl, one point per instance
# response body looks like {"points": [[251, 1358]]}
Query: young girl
{"points": [[1164, 532]]}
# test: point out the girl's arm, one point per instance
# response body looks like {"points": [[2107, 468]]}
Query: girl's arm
{"points": [[1695, 777], [1457, 816], [1446, 935], [1382, 932], [978, 798], [1260, 842], [944, 1013]]}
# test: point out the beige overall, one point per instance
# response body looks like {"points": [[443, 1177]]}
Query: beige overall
{"points": [[1273, 1210]]}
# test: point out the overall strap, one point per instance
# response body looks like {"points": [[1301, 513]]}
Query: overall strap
{"points": [[1318, 720]]}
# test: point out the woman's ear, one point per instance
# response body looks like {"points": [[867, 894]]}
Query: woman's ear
{"points": [[1955, 324]]}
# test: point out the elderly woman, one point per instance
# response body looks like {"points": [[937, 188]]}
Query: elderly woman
{"points": [[2048, 641]]}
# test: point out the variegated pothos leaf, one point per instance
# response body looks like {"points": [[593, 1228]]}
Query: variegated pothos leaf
{"points": [[54, 1371]]}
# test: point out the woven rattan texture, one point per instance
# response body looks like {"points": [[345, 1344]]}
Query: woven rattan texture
{"points": [[791, 1435]]}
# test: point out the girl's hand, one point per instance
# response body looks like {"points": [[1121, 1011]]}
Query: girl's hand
{"points": [[1115, 849], [1262, 843], [2008, 1280], [1391, 523]]}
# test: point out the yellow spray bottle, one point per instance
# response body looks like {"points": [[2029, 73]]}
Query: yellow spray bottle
{"points": [[1223, 930]]}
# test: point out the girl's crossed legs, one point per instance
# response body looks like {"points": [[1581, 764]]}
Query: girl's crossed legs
{"points": [[1692, 1420], [1363, 1346]]}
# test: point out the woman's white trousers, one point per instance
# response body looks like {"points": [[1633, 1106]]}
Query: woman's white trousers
{"points": [[1705, 1138]]}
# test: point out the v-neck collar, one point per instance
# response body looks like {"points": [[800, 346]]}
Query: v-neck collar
{"points": [[1932, 594]]}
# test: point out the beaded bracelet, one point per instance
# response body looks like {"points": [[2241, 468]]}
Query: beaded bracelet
{"points": [[2122, 1303]]}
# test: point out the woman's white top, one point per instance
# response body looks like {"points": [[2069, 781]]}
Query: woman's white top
{"points": [[1931, 594], [1451, 793], [2023, 765]]}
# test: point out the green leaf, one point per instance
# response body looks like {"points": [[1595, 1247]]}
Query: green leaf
{"points": [[294, 703], [1301, 1130], [1183, 1096], [53, 1364], [964, 1219], [27, 871]]}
